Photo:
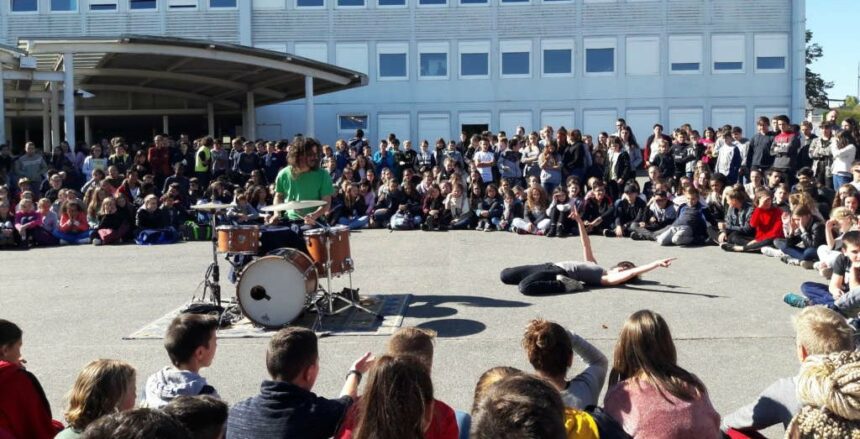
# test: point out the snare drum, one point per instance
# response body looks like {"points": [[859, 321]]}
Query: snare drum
{"points": [[240, 240], [274, 290], [341, 259]]}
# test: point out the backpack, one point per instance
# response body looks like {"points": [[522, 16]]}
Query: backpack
{"points": [[155, 237], [607, 426], [192, 231], [401, 221]]}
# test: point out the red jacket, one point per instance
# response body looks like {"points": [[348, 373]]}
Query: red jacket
{"points": [[767, 223], [443, 425], [24, 409]]}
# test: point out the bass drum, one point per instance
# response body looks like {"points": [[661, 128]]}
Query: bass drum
{"points": [[274, 290]]}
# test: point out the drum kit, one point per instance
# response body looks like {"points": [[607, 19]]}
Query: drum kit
{"points": [[274, 289]]}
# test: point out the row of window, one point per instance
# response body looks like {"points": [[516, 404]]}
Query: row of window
{"points": [[433, 125], [728, 55], [113, 5]]}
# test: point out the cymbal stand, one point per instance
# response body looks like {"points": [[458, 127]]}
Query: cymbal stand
{"points": [[213, 274]]}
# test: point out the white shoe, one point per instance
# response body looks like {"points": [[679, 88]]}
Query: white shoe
{"points": [[570, 285], [97, 241], [772, 252]]}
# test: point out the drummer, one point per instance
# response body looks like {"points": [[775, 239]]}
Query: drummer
{"points": [[302, 180]]}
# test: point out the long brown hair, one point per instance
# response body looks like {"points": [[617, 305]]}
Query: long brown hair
{"points": [[645, 351], [301, 147], [98, 391], [398, 394]]}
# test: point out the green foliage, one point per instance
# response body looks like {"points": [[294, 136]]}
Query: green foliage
{"points": [[816, 86]]}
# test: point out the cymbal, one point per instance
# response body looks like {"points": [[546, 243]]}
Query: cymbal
{"points": [[293, 205], [211, 206]]}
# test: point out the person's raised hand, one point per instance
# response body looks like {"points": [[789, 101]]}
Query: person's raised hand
{"points": [[665, 263], [363, 364], [574, 213]]}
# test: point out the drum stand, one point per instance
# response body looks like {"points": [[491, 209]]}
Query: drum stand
{"points": [[324, 303], [213, 274]]}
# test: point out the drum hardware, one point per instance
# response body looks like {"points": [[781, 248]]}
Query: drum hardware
{"points": [[293, 205], [211, 282]]}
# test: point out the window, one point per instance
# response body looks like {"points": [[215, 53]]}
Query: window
{"points": [[595, 121], [351, 56], [314, 51], [735, 117], [641, 121], [24, 5], [642, 56], [64, 5], [727, 52], [685, 54], [557, 57], [474, 59], [771, 51], [391, 3], [393, 61], [275, 47], [178, 4], [599, 56], [515, 2], [433, 60], [474, 2], [516, 58], [103, 5], [310, 3], [269, 4], [350, 3], [352, 122], [222, 3], [397, 124], [692, 116], [510, 120], [557, 119], [140, 5], [432, 2], [433, 126]]}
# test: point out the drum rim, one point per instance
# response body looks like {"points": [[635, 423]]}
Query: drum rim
{"points": [[308, 294], [238, 227]]}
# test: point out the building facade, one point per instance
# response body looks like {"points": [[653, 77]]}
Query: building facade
{"points": [[437, 67]]}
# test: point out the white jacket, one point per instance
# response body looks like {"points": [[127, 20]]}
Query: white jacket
{"points": [[842, 159]]}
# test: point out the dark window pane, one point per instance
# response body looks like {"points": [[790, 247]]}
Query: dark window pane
{"points": [[350, 2], [392, 65], [352, 123], [24, 5], [432, 2], [474, 64], [434, 64], [685, 66], [103, 7], [515, 63], [142, 4], [309, 3], [222, 3], [557, 60], [770, 62], [392, 2], [473, 2], [515, 1], [599, 60], [728, 66], [64, 5]]}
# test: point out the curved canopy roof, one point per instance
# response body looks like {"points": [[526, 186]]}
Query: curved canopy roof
{"points": [[181, 73]]}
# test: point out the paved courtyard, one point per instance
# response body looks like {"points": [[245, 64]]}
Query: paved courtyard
{"points": [[76, 303]]}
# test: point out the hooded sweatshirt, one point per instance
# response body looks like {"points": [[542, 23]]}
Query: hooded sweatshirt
{"points": [[24, 409], [168, 383]]}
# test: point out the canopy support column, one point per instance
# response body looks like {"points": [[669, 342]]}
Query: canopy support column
{"points": [[46, 126], [210, 118], [165, 124], [2, 107], [309, 106], [88, 131], [251, 118], [55, 115], [69, 97]]}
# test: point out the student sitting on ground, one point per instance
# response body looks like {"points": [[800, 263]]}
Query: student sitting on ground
{"points": [[766, 219], [805, 234], [819, 331], [572, 276], [204, 416], [649, 394], [140, 423], [691, 225], [629, 211], [550, 349], [73, 228], [597, 211], [24, 409], [153, 226], [113, 225], [103, 387], [190, 342], [286, 407], [415, 342], [242, 212], [827, 389], [735, 229], [841, 222], [845, 278], [661, 214]]}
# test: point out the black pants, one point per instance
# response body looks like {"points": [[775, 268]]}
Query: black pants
{"points": [[534, 280]]}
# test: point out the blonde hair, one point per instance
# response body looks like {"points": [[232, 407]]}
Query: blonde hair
{"points": [[98, 390], [488, 378], [413, 341], [822, 331], [829, 389], [840, 213]]}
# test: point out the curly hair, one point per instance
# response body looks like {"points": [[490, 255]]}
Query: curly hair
{"points": [[829, 389], [548, 347], [302, 147]]}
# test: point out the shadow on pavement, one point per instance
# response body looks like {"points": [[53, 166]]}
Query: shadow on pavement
{"points": [[448, 328], [429, 306]]}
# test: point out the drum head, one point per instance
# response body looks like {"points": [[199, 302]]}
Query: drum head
{"points": [[272, 291]]}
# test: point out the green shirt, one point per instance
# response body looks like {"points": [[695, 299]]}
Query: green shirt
{"points": [[203, 155], [311, 185]]}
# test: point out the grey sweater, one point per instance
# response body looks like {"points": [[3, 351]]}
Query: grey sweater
{"points": [[584, 389], [777, 404]]}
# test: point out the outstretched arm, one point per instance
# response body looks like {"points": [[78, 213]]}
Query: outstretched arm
{"points": [[620, 277], [583, 235]]}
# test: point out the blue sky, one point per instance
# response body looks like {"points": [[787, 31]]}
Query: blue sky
{"points": [[834, 26]]}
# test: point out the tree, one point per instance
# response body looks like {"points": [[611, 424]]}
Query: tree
{"points": [[850, 102], [816, 86]]}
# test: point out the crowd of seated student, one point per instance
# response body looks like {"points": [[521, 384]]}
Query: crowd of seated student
{"points": [[648, 395]]}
